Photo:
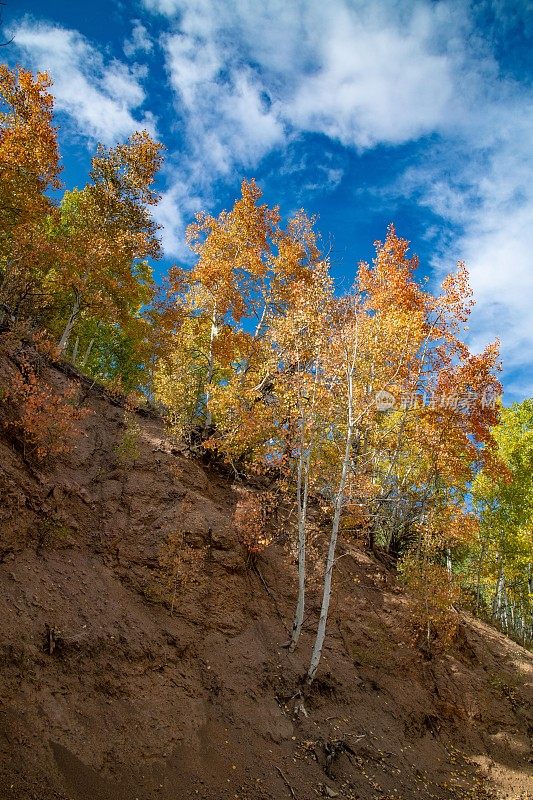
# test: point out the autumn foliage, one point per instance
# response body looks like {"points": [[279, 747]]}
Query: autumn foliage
{"points": [[367, 406], [77, 268], [42, 419], [433, 617], [250, 519]]}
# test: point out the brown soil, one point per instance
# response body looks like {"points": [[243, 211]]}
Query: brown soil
{"points": [[141, 656]]}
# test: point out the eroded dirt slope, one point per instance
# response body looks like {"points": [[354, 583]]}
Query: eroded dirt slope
{"points": [[141, 657]]}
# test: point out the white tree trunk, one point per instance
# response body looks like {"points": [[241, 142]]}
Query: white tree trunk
{"points": [[65, 336], [497, 602], [87, 353], [478, 576], [449, 561], [302, 494], [301, 501], [210, 367], [339, 500]]}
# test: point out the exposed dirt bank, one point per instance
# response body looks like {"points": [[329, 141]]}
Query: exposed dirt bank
{"points": [[141, 658]]}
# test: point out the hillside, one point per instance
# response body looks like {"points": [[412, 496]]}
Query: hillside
{"points": [[141, 656]]}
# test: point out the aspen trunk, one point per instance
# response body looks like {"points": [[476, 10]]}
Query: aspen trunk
{"points": [[478, 578], [339, 500], [301, 500], [65, 336], [87, 353], [497, 601], [302, 494], [75, 350], [449, 561], [210, 367]]}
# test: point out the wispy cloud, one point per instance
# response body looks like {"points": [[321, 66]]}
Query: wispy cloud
{"points": [[175, 210], [103, 99], [481, 186], [228, 118], [252, 78], [249, 76], [139, 41]]}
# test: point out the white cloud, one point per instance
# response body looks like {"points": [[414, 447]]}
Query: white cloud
{"points": [[482, 186], [122, 85], [174, 211], [167, 7], [252, 128], [228, 119], [496, 247], [249, 78], [139, 41], [102, 99], [248, 75], [372, 83], [193, 66]]}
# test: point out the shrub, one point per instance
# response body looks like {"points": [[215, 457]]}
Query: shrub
{"points": [[42, 420], [181, 565], [433, 619], [250, 519], [127, 451]]}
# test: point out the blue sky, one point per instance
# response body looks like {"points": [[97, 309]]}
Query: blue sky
{"points": [[420, 113]]}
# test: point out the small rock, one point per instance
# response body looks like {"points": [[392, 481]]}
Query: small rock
{"points": [[84, 495], [329, 792]]}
